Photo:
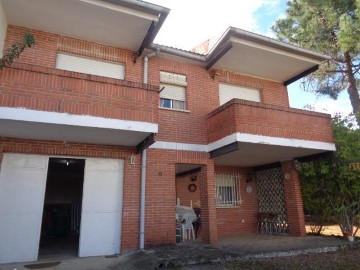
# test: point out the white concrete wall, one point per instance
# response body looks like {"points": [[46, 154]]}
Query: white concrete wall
{"points": [[3, 28]]}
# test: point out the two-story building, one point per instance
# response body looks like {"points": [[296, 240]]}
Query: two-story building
{"points": [[103, 132]]}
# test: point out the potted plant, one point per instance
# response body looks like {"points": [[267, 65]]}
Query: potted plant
{"points": [[347, 217]]}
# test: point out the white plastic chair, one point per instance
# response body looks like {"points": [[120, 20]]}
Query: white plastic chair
{"points": [[187, 227]]}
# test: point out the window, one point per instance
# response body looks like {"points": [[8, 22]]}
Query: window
{"points": [[227, 190], [90, 66], [227, 92], [173, 91]]}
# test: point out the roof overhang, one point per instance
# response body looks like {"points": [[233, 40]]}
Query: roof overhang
{"points": [[127, 24], [254, 55], [40, 125], [249, 150], [259, 56]]}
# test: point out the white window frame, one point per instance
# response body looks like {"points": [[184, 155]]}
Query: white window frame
{"points": [[173, 80], [227, 190], [172, 104]]}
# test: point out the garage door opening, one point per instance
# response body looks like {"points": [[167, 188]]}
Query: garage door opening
{"points": [[60, 228]]}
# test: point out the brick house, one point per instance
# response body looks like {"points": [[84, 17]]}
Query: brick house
{"points": [[103, 132]]}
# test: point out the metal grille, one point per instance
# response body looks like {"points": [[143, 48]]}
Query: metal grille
{"points": [[272, 198], [227, 190]]}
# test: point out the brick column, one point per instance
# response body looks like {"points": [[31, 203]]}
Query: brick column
{"points": [[293, 199], [208, 204]]}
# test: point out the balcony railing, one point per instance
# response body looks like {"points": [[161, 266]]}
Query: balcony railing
{"points": [[52, 90], [240, 116]]}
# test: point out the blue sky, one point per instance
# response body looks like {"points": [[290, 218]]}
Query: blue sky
{"points": [[191, 22]]}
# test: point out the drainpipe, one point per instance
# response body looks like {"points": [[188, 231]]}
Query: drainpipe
{"points": [[143, 166]]}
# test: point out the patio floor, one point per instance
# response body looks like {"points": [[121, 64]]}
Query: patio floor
{"points": [[244, 246], [232, 248]]}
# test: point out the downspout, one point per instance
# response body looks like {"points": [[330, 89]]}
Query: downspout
{"points": [[143, 166]]}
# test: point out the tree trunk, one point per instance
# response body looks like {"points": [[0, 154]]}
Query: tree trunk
{"points": [[352, 89]]}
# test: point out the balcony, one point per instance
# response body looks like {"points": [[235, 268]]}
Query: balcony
{"points": [[49, 104], [245, 133]]}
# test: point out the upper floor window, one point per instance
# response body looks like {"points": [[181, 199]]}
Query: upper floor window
{"points": [[173, 90], [90, 66], [228, 92]]}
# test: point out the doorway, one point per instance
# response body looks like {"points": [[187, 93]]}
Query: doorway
{"points": [[61, 218]]}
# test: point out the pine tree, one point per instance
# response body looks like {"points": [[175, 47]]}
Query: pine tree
{"points": [[333, 28]]}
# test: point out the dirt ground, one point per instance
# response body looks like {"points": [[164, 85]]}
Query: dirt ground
{"points": [[330, 230], [348, 259]]}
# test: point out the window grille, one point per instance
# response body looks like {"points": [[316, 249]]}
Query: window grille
{"points": [[227, 189]]}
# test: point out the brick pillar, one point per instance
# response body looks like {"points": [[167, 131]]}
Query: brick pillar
{"points": [[208, 204], [293, 199]]}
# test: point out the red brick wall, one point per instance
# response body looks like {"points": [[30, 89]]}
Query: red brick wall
{"points": [[293, 199], [161, 195], [209, 228], [36, 84], [131, 199], [183, 193], [43, 53], [202, 97], [274, 93], [233, 220], [48, 89], [33, 83], [268, 120], [202, 93]]}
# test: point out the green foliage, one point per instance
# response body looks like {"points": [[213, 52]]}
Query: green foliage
{"points": [[331, 187], [333, 28], [16, 49]]}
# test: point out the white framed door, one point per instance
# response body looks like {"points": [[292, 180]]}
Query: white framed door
{"points": [[100, 231], [22, 191]]}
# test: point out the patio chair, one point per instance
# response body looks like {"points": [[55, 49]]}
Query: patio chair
{"points": [[187, 227]]}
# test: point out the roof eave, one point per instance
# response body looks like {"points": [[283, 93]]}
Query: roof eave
{"points": [[263, 40], [154, 28]]}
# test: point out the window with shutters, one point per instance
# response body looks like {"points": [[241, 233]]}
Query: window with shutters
{"points": [[90, 66], [227, 92], [173, 91]]}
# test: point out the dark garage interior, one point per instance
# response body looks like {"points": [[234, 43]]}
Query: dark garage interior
{"points": [[60, 229]]}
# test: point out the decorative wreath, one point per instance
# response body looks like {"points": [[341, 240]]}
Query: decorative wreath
{"points": [[192, 187]]}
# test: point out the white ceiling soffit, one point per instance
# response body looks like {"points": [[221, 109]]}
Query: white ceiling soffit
{"points": [[51, 126], [252, 154], [123, 24], [258, 56]]}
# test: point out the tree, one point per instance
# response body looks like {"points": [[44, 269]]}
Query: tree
{"points": [[333, 28], [16, 49], [331, 187]]}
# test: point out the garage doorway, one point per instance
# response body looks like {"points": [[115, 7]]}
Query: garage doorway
{"points": [[98, 186], [61, 218]]}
